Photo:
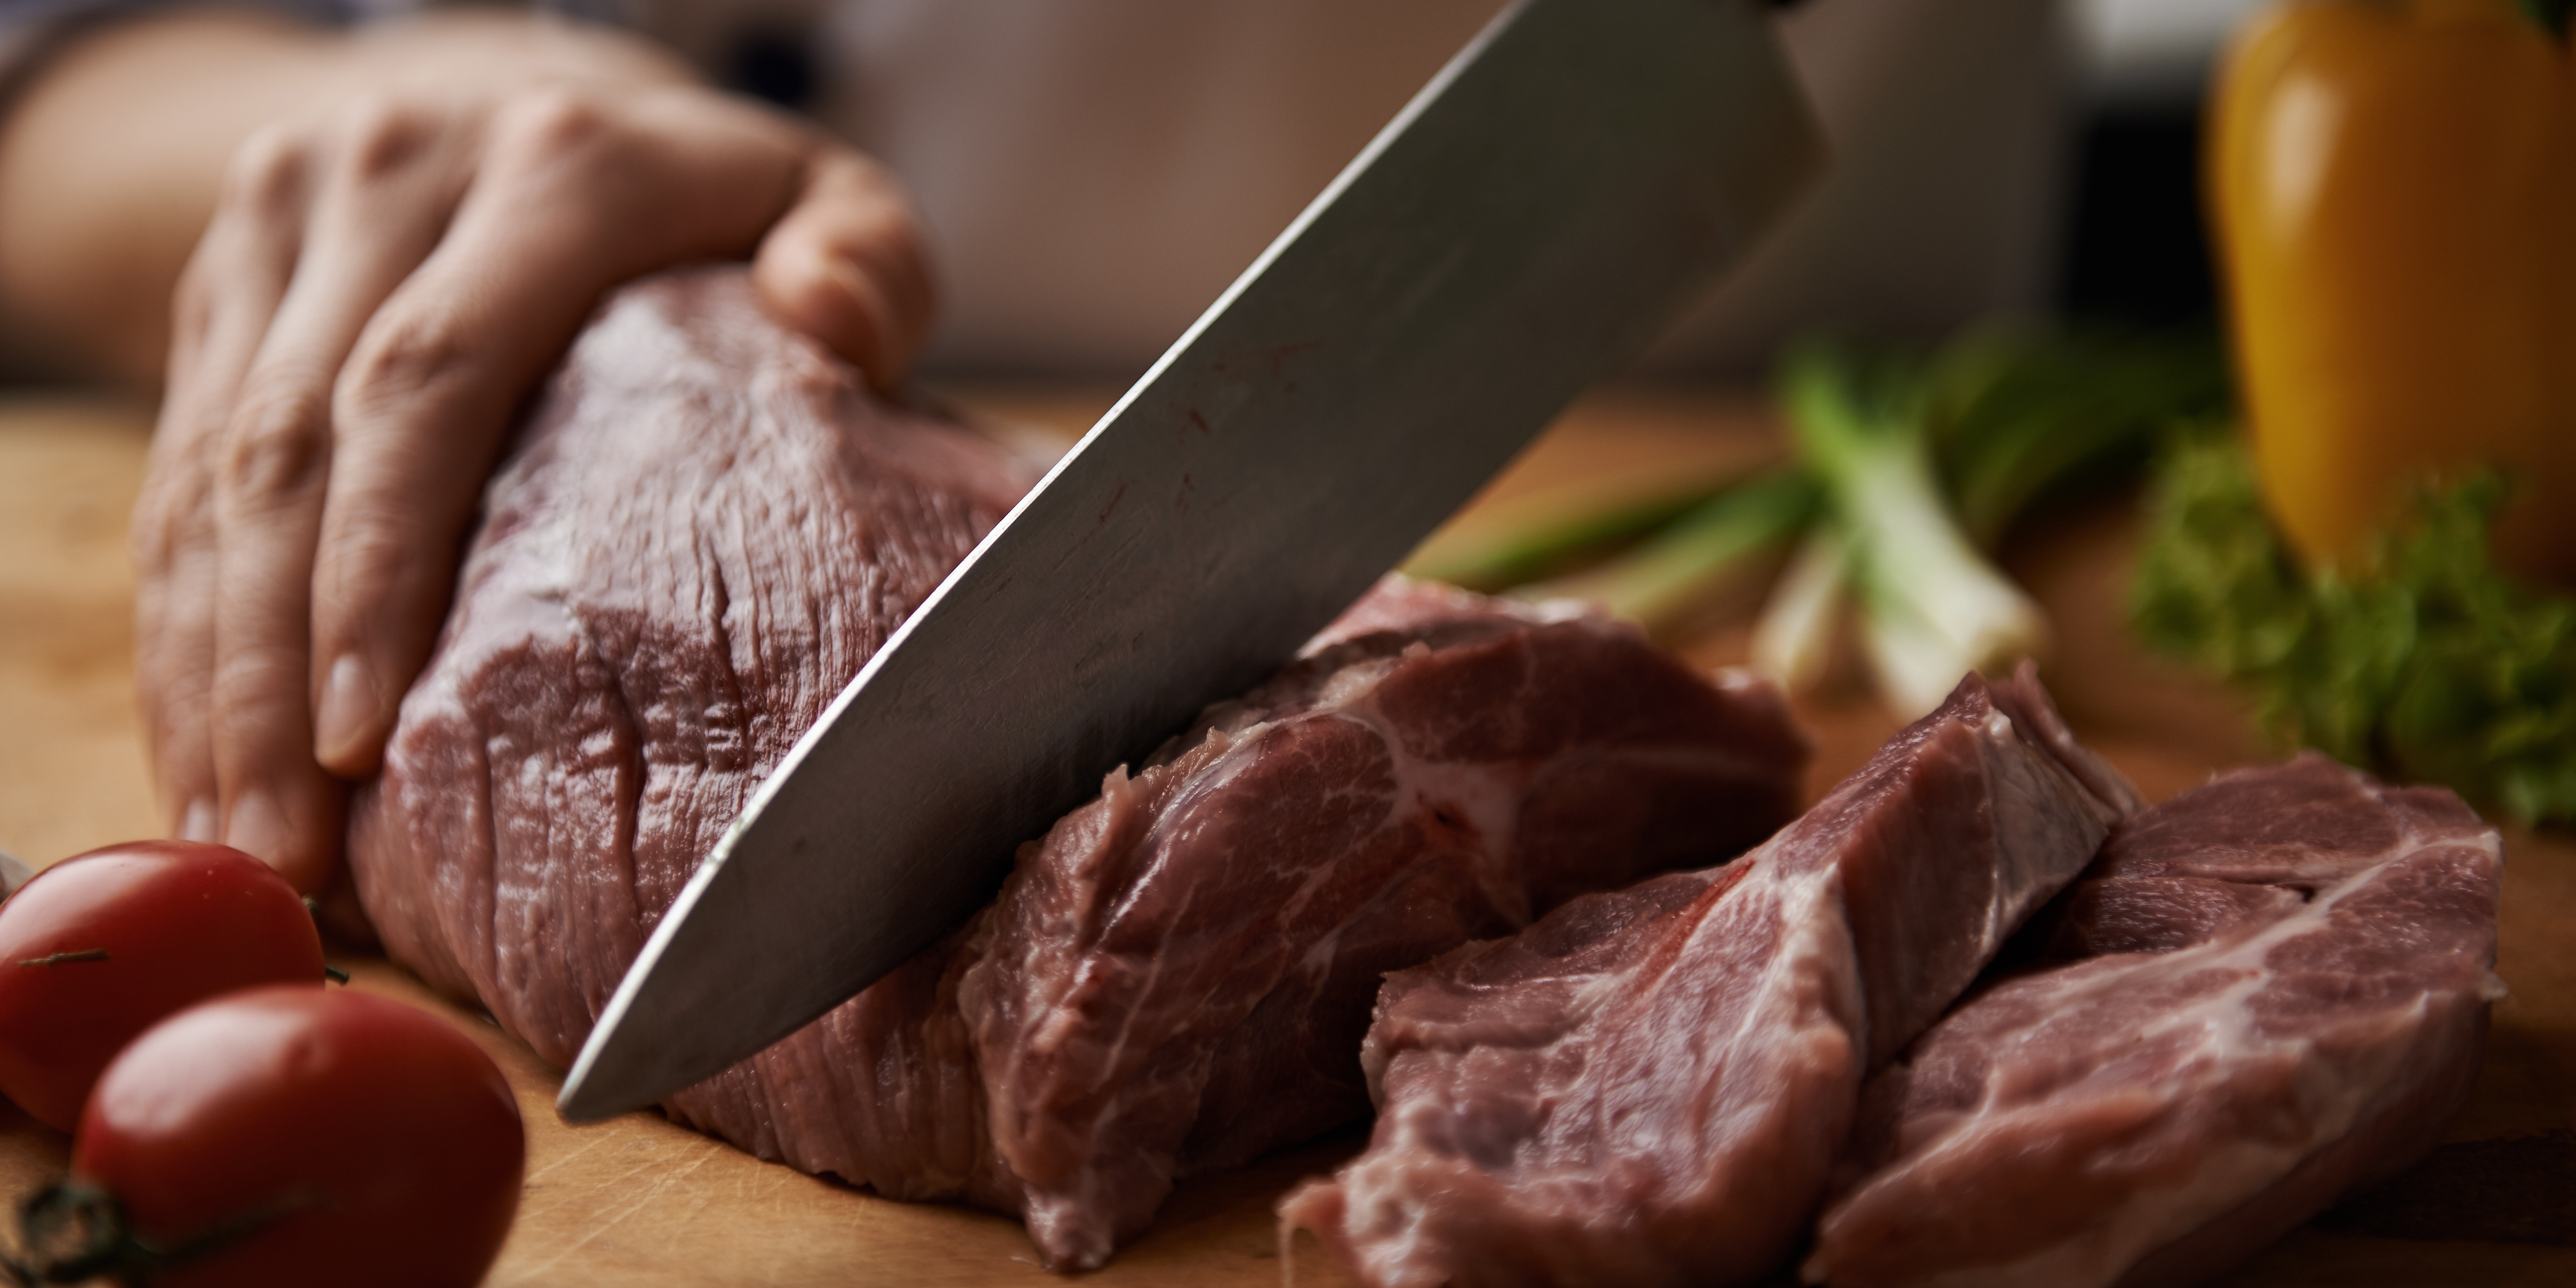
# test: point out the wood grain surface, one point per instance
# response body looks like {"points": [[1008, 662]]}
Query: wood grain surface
{"points": [[639, 1202]]}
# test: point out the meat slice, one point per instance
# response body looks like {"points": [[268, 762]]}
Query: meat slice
{"points": [[2266, 993], [1180, 976], [1650, 1087], [705, 531]]}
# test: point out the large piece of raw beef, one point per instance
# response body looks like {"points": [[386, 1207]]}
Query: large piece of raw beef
{"points": [[2266, 993], [706, 526], [706, 531], [1651, 1086]]}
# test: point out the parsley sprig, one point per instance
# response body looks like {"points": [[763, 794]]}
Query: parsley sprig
{"points": [[2421, 661]]}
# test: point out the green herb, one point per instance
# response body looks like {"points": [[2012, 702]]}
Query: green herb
{"points": [[1932, 607], [1547, 539], [2424, 663], [1928, 462], [1794, 638], [1663, 578], [1911, 469], [2016, 415]]}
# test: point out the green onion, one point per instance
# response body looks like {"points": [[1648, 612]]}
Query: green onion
{"points": [[1660, 581]]}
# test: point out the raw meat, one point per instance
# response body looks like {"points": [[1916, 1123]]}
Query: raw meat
{"points": [[2266, 993], [706, 526], [1649, 1087], [1179, 977], [704, 532]]}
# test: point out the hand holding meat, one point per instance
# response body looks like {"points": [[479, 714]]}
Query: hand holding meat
{"points": [[386, 273]]}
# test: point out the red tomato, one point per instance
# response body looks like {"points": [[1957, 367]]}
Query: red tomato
{"points": [[348, 1138], [101, 946]]}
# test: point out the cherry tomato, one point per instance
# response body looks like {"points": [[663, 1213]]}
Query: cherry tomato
{"points": [[288, 1135], [101, 946]]}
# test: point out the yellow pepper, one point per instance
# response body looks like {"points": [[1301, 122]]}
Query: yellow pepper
{"points": [[2394, 193]]}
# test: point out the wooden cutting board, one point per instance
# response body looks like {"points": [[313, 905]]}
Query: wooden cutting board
{"points": [[637, 1202]]}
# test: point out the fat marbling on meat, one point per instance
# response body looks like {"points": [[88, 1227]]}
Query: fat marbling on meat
{"points": [[706, 529], [1179, 977], [1651, 1086], [2266, 993]]}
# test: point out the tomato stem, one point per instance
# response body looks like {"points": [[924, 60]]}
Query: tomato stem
{"points": [[334, 974], [59, 959], [72, 1232]]}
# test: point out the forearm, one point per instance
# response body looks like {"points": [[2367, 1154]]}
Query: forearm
{"points": [[111, 159]]}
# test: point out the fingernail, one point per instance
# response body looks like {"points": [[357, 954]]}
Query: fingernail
{"points": [[197, 822], [256, 827], [347, 710]]}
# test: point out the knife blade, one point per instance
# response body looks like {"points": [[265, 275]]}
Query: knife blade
{"points": [[1523, 227]]}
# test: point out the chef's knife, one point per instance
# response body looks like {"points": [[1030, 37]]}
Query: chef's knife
{"points": [[1525, 226]]}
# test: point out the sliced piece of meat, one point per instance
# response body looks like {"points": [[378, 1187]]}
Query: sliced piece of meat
{"points": [[1180, 976], [2266, 993], [706, 530], [1650, 1087]]}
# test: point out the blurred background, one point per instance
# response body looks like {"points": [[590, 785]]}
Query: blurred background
{"points": [[2017, 157], [2135, 248], [1094, 173]]}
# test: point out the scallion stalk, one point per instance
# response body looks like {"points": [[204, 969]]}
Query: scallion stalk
{"points": [[1932, 607]]}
